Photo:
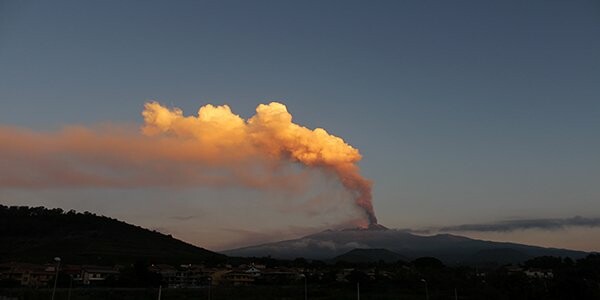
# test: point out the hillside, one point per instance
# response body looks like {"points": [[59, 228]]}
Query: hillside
{"points": [[37, 234], [451, 249], [369, 255]]}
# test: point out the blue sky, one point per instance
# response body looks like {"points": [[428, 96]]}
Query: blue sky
{"points": [[464, 111]]}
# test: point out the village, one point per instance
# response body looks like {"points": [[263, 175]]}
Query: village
{"points": [[180, 276], [17, 274]]}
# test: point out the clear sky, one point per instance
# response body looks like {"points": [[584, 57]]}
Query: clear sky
{"points": [[465, 112]]}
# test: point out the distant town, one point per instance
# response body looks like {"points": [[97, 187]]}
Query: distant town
{"points": [[541, 277]]}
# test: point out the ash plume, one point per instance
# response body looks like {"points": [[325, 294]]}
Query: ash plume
{"points": [[216, 148], [270, 133]]}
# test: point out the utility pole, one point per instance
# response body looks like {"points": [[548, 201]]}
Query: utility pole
{"points": [[305, 289], [57, 260], [426, 289], [159, 291], [209, 284], [305, 286], [70, 287]]}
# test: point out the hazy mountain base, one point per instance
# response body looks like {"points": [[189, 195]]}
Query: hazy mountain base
{"points": [[359, 256], [451, 249]]}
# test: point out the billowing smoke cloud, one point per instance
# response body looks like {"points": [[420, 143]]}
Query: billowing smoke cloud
{"points": [[216, 147], [513, 225], [270, 132]]}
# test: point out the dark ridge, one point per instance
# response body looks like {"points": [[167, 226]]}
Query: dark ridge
{"points": [[377, 227], [37, 234]]}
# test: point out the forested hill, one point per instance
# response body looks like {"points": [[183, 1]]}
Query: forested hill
{"points": [[37, 234]]}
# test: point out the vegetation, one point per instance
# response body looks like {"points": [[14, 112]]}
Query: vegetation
{"points": [[37, 234]]}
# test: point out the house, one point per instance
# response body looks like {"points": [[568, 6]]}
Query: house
{"points": [[193, 276], [237, 278], [253, 271], [30, 275], [539, 273], [341, 275], [170, 275], [280, 276], [95, 275], [184, 276]]}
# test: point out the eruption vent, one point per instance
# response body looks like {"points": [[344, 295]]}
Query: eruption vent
{"points": [[270, 132]]}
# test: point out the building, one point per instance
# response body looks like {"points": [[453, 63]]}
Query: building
{"points": [[280, 276], [539, 273], [96, 275], [237, 278], [30, 275], [184, 276]]}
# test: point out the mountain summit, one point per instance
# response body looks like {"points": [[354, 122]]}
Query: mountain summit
{"points": [[371, 227]]}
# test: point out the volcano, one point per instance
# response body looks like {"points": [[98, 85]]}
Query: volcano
{"points": [[451, 249]]}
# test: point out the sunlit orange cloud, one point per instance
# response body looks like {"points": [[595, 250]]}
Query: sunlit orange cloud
{"points": [[216, 147]]}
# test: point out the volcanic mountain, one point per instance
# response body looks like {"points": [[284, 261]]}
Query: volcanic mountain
{"points": [[369, 256], [449, 248]]}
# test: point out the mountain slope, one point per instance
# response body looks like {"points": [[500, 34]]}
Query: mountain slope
{"points": [[369, 255], [39, 234], [449, 248]]}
